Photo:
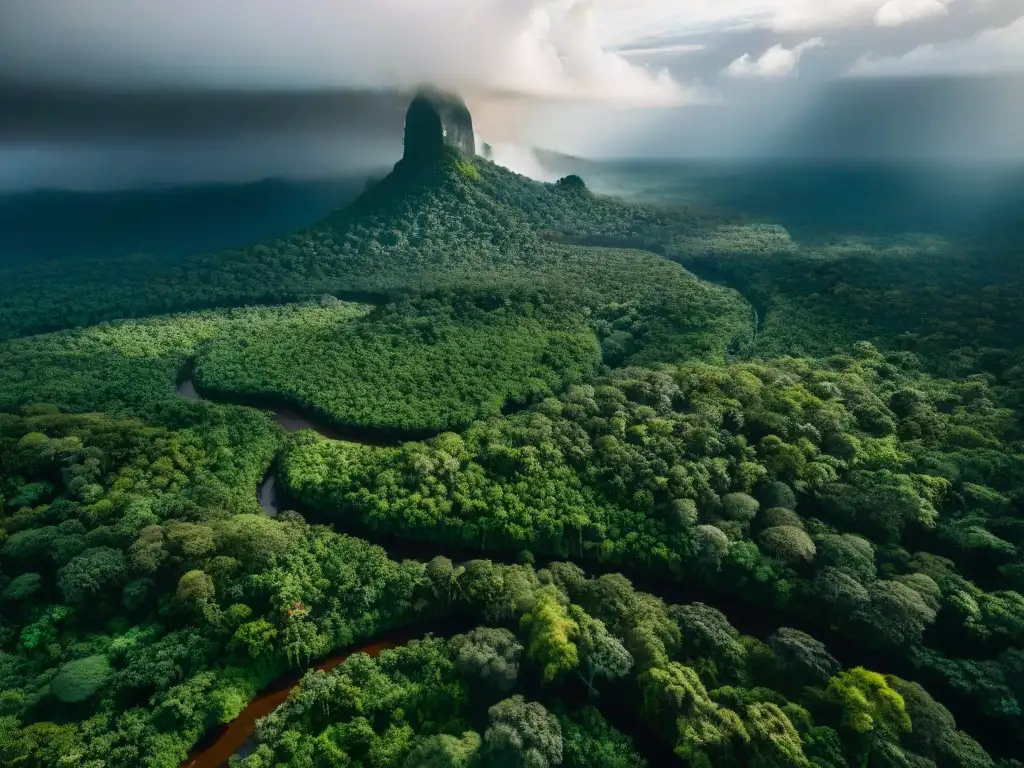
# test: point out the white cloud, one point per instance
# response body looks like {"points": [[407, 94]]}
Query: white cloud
{"points": [[560, 53], [797, 15], [624, 20], [562, 49], [776, 62], [897, 12], [628, 22], [551, 48], [990, 51], [637, 19]]}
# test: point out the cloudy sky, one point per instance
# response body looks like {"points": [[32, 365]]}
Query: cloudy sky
{"points": [[120, 92]]}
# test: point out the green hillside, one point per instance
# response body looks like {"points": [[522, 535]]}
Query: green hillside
{"points": [[450, 225]]}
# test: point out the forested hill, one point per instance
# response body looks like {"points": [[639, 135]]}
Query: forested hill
{"points": [[456, 224], [471, 223]]}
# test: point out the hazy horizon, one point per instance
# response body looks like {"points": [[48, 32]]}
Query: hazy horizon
{"points": [[195, 93]]}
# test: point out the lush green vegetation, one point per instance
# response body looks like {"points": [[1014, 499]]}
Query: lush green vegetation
{"points": [[955, 304], [833, 445], [146, 598], [331, 358], [855, 489], [418, 705], [715, 696], [130, 366], [420, 229], [426, 365], [144, 602]]}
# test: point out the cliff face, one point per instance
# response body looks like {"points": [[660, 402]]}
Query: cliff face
{"points": [[435, 120]]}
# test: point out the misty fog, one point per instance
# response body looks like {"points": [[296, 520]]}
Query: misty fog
{"points": [[82, 140]]}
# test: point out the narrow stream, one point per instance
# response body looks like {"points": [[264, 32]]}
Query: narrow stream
{"points": [[236, 735], [267, 495], [216, 748], [293, 421], [238, 738]]}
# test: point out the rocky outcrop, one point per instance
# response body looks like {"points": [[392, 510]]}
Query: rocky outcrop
{"points": [[436, 120]]}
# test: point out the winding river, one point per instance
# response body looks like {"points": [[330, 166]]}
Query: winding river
{"points": [[217, 747], [291, 421], [750, 618]]}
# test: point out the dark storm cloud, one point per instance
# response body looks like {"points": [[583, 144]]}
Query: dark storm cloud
{"points": [[106, 93], [50, 114], [99, 139], [542, 47]]}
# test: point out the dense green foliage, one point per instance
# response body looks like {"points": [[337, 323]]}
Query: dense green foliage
{"points": [[957, 305], [187, 601], [132, 366], [383, 370], [901, 516], [330, 358], [420, 229], [161, 599], [956, 301], [415, 707], [715, 696], [840, 451]]}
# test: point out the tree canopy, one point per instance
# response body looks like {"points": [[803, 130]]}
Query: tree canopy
{"points": [[818, 441]]}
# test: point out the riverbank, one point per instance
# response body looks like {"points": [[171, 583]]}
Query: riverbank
{"points": [[293, 420], [216, 747]]}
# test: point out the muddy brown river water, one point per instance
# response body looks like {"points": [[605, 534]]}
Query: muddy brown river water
{"points": [[215, 750]]}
